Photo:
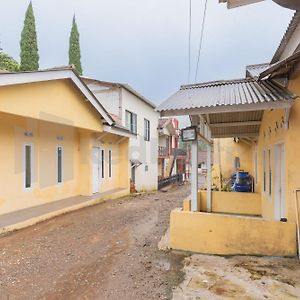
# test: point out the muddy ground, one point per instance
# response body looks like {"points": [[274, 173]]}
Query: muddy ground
{"points": [[108, 251], [239, 277]]}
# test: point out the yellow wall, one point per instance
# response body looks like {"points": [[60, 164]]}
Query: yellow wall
{"points": [[13, 195], [120, 161], [225, 151], [234, 203], [56, 101], [74, 126], [272, 132], [230, 203], [228, 235]]}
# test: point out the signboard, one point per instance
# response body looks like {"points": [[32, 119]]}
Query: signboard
{"points": [[189, 134]]}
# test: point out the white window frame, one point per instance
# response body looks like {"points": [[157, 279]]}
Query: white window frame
{"points": [[62, 165], [269, 167], [110, 164], [31, 166], [130, 125]]}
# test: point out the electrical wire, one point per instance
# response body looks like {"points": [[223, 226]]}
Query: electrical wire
{"points": [[201, 39], [190, 37]]}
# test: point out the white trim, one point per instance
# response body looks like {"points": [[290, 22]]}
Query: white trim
{"points": [[7, 79], [28, 189], [118, 131], [62, 165], [279, 203]]}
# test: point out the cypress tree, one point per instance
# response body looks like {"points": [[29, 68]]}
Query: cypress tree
{"points": [[74, 48], [29, 48]]}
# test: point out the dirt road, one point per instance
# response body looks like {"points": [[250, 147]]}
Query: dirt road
{"points": [[108, 251]]}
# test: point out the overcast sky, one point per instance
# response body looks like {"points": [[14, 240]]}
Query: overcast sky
{"points": [[145, 42]]}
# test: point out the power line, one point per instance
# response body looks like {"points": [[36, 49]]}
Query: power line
{"points": [[190, 37], [201, 39]]}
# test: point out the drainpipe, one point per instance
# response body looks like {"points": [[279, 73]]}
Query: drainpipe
{"points": [[297, 220]]}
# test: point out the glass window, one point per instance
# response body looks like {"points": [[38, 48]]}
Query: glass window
{"points": [[102, 163], [59, 164], [109, 164], [28, 166], [146, 130], [131, 121]]}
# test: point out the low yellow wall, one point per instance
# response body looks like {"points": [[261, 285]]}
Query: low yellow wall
{"points": [[234, 203], [230, 235]]}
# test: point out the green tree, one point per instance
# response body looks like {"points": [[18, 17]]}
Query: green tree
{"points": [[29, 48], [74, 48], [7, 63]]}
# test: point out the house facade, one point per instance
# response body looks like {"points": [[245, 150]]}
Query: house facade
{"points": [[253, 123], [131, 110], [172, 160], [58, 141]]}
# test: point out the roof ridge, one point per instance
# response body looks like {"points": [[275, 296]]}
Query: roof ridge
{"points": [[216, 82]]}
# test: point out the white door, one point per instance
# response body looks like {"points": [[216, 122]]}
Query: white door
{"points": [[279, 182], [96, 160]]}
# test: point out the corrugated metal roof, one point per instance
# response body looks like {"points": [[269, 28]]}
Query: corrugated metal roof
{"points": [[281, 68], [255, 70], [224, 93], [287, 36]]}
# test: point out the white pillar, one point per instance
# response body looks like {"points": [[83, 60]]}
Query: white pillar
{"points": [[194, 177], [208, 178]]}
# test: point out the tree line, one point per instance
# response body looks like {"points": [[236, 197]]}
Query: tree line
{"points": [[29, 53]]}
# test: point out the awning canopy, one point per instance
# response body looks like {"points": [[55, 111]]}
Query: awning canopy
{"points": [[230, 108]]}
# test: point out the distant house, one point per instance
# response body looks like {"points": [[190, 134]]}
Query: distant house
{"points": [[133, 111], [57, 142], [172, 160]]}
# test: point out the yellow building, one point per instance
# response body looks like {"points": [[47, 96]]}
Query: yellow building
{"points": [[57, 141], [254, 124]]}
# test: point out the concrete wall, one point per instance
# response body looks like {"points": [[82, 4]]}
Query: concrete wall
{"points": [[225, 152], [228, 235], [273, 132], [230, 203], [55, 101], [23, 111], [144, 151]]}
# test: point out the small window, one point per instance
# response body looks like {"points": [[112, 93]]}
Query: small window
{"points": [[131, 121], [28, 166], [146, 130], [102, 163], [237, 163], [264, 171], [109, 164], [59, 164]]}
